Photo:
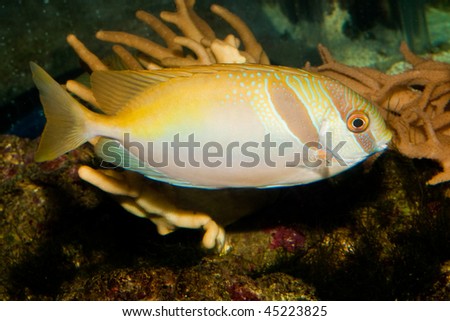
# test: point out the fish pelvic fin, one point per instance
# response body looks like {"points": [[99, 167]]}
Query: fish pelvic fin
{"points": [[66, 124]]}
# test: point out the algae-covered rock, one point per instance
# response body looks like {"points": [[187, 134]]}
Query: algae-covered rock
{"points": [[33, 197], [377, 233]]}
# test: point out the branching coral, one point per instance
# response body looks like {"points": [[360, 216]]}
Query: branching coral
{"points": [[197, 37], [414, 103]]}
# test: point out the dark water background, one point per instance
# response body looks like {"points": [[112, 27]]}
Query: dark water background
{"points": [[288, 30]]}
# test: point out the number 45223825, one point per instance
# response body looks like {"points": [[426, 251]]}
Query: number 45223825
{"points": [[296, 311]]}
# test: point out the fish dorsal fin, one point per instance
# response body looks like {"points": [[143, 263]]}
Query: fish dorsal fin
{"points": [[113, 89]]}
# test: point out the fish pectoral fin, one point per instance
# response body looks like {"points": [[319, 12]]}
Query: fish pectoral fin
{"points": [[112, 151]]}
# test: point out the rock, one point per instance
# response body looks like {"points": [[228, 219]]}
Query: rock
{"points": [[378, 234]]}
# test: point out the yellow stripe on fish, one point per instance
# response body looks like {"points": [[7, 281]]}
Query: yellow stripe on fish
{"points": [[216, 126]]}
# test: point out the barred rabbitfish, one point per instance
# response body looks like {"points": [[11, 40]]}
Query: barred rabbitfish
{"points": [[216, 126]]}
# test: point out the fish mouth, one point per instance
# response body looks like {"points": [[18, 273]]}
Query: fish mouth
{"points": [[390, 145], [383, 146], [386, 142]]}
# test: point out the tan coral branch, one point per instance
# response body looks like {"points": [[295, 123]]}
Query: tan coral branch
{"points": [[252, 46], [161, 29], [201, 24], [82, 91], [127, 58], [182, 19], [226, 53], [87, 56], [203, 58], [409, 55], [142, 44]]}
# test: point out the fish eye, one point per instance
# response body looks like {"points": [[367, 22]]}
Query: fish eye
{"points": [[357, 122]]}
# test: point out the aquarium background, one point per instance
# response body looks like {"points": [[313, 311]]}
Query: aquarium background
{"points": [[361, 33]]}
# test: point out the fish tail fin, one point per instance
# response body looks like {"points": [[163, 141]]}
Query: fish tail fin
{"points": [[66, 124]]}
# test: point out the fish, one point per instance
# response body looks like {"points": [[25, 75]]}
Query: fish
{"points": [[216, 126]]}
